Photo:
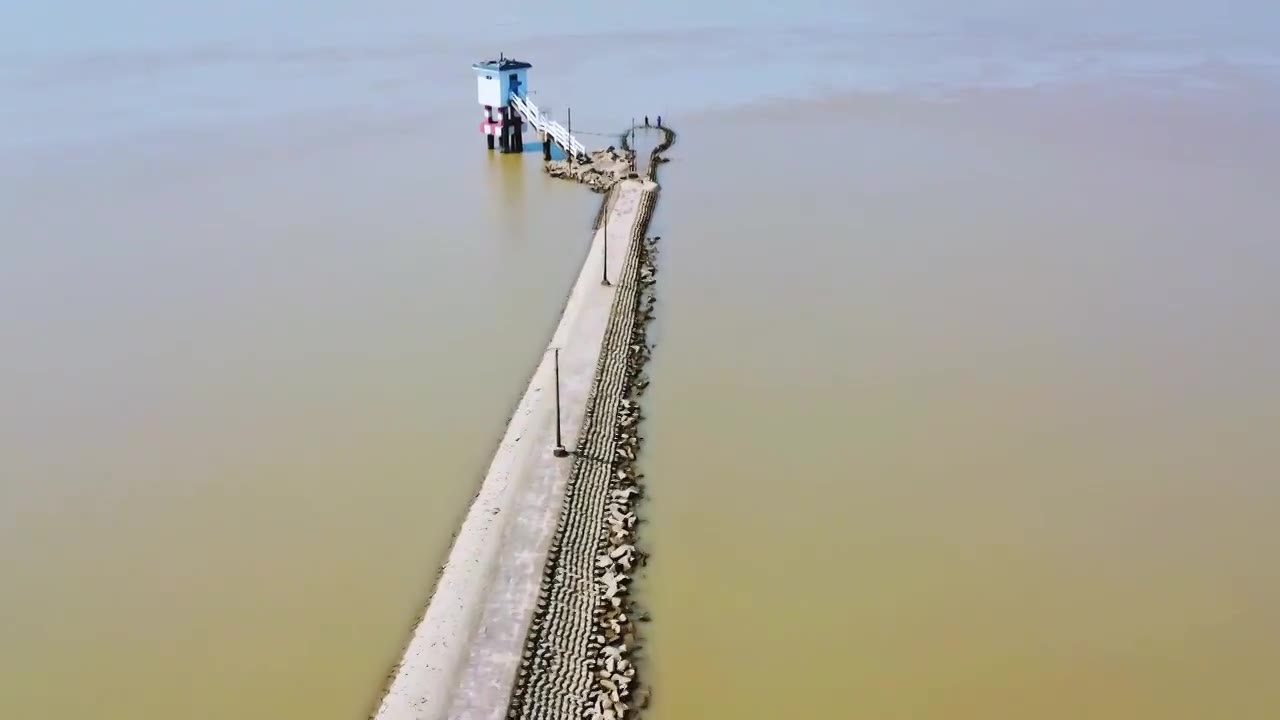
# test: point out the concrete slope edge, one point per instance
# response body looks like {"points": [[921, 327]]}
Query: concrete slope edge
{"points": [[578, 656], [480, 596], [475, 543], [464, 653]]}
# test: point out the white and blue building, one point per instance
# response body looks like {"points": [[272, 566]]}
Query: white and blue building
{"points": [[497, 81]]}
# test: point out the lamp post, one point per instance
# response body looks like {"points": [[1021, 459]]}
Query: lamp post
{"points": [[559, 450], [604, 256]]}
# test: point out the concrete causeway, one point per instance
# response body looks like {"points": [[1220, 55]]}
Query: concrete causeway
{"points": [[577, 661], [464, 655]]}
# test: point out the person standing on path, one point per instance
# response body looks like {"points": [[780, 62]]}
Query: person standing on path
{"points": [[646, 121], [659, 121]]}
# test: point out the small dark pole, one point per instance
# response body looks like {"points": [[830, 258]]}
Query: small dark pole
{"points": [[559, 450], [569, 131], [604, 257]]}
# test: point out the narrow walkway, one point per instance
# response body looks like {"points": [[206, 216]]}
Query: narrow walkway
{"points": [[574, 631], [463, 657]]}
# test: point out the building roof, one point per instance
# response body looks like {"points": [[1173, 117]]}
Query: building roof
{"points": [[502, 64]]}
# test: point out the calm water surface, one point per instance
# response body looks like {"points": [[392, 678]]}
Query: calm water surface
{"points": [[976, 421], [964, 402]]}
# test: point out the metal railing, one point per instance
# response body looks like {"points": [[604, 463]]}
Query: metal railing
{"points": [[543, 123]]}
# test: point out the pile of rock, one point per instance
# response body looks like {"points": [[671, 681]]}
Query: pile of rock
{"points": [[579, 655], [613, 693], [656, 157], [577, 652], [600, 171]]}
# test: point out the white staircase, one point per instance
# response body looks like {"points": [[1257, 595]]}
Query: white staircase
{"points": [[543, 123]]}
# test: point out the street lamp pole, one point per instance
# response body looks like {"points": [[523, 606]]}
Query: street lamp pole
{"points": [[559, 450], [604, 256]]}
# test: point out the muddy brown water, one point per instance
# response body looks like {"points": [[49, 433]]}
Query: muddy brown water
{"points": [[246, 407], [964, 401], [969, 413]]}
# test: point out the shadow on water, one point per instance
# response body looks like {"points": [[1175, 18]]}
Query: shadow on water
{"points": [[534, 146]]}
